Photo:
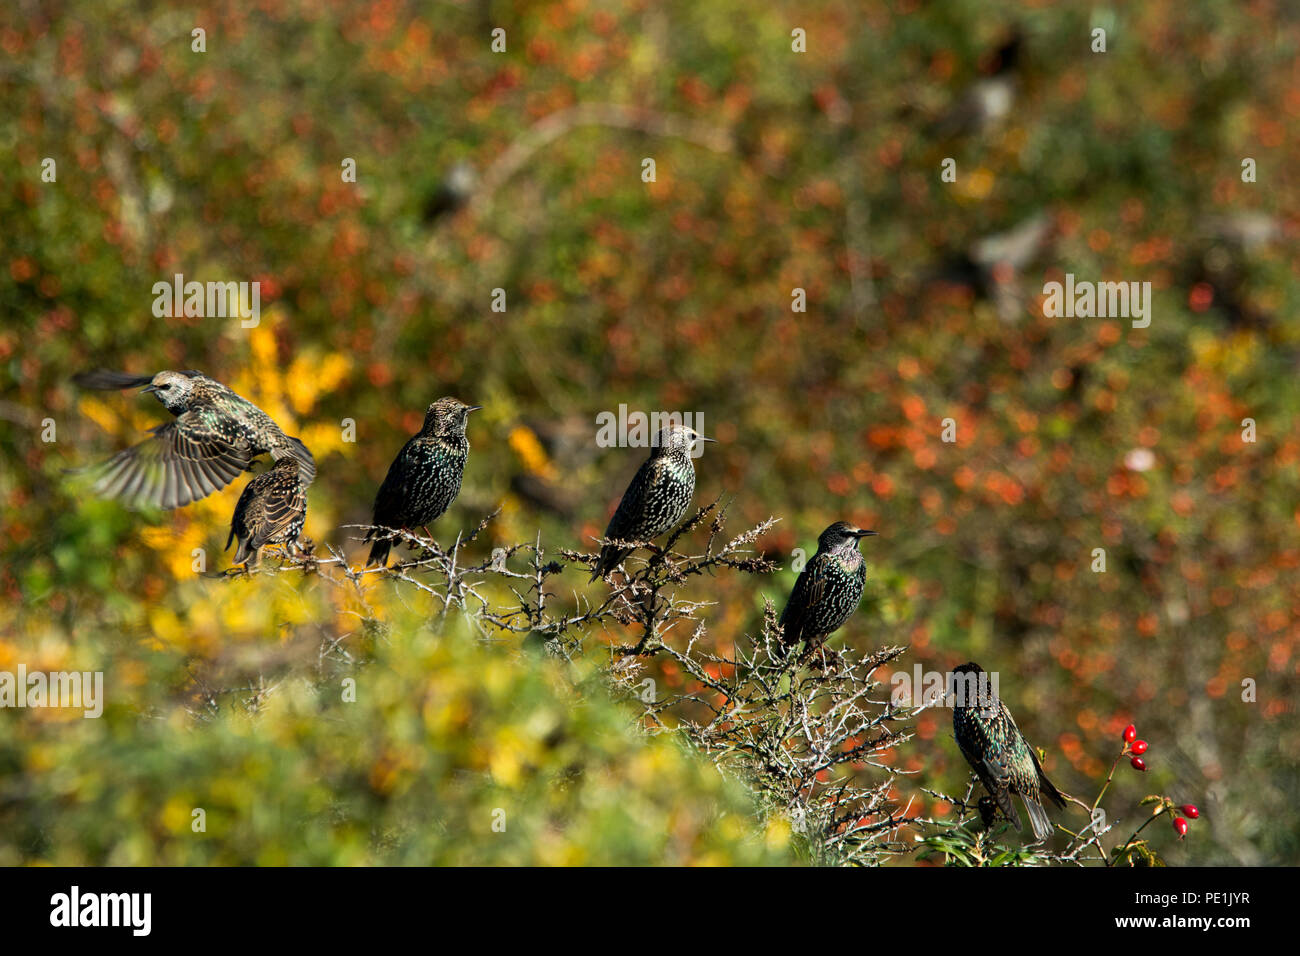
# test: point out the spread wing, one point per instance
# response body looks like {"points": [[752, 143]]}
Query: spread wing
{"points": [[185, 460]]}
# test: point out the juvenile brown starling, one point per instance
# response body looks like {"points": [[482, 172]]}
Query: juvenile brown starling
{"points": [[213, 439], [828, 589], [658, 496], [425, 477], [995, 748], [271, 510]]}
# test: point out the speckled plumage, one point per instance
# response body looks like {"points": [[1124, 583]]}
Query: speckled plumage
{"points": [[1000, 755], [424, 479], [214, 438], [828, 589], [271, 510], [657, 497]]}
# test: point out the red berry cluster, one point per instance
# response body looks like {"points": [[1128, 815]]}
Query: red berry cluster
{"points": [[1136, 747], [1180, 823]]}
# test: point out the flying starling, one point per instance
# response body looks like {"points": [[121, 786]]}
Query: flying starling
{"points": [[658, 496], [998, 752], [213, 439], [424, 479], [271, 510], [829, 588]]}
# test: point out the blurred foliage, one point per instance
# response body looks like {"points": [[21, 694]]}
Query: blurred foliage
{"points": [[813, 171], [444, 755]]}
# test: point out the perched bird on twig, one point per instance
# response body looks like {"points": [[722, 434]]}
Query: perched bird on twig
{"points": [[657, 497], [271, 510], [424, 478], [998, 752], [829, 588]]}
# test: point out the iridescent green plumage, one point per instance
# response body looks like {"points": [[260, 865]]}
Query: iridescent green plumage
{"points": [[656, 499], [998, 752], [425, 478], [828, 589]]}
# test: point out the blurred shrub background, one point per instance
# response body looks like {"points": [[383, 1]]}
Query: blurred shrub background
{"points": [[775, 171]]}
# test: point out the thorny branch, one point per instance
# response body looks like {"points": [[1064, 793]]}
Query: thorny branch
{"points": [[810, 733]]}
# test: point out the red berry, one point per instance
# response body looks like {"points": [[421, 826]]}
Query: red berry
{"points": [[1130, 734], [1190, 810], [1139, 746], [1138, 763], [1180, 827]]}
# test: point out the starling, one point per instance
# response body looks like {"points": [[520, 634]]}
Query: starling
{"points": [[452, 194], [992, 265], [424, 479], [998, 752], [271, 510], [213, 439], [1225, 264], [988, 101], [829, 588], [658, 496]]}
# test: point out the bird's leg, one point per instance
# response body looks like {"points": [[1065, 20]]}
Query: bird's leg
{"points": [[807, 654]]}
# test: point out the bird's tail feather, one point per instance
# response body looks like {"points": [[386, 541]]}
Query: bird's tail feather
{"points": [[1038, 819], [609, 559], [379, 552]]}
